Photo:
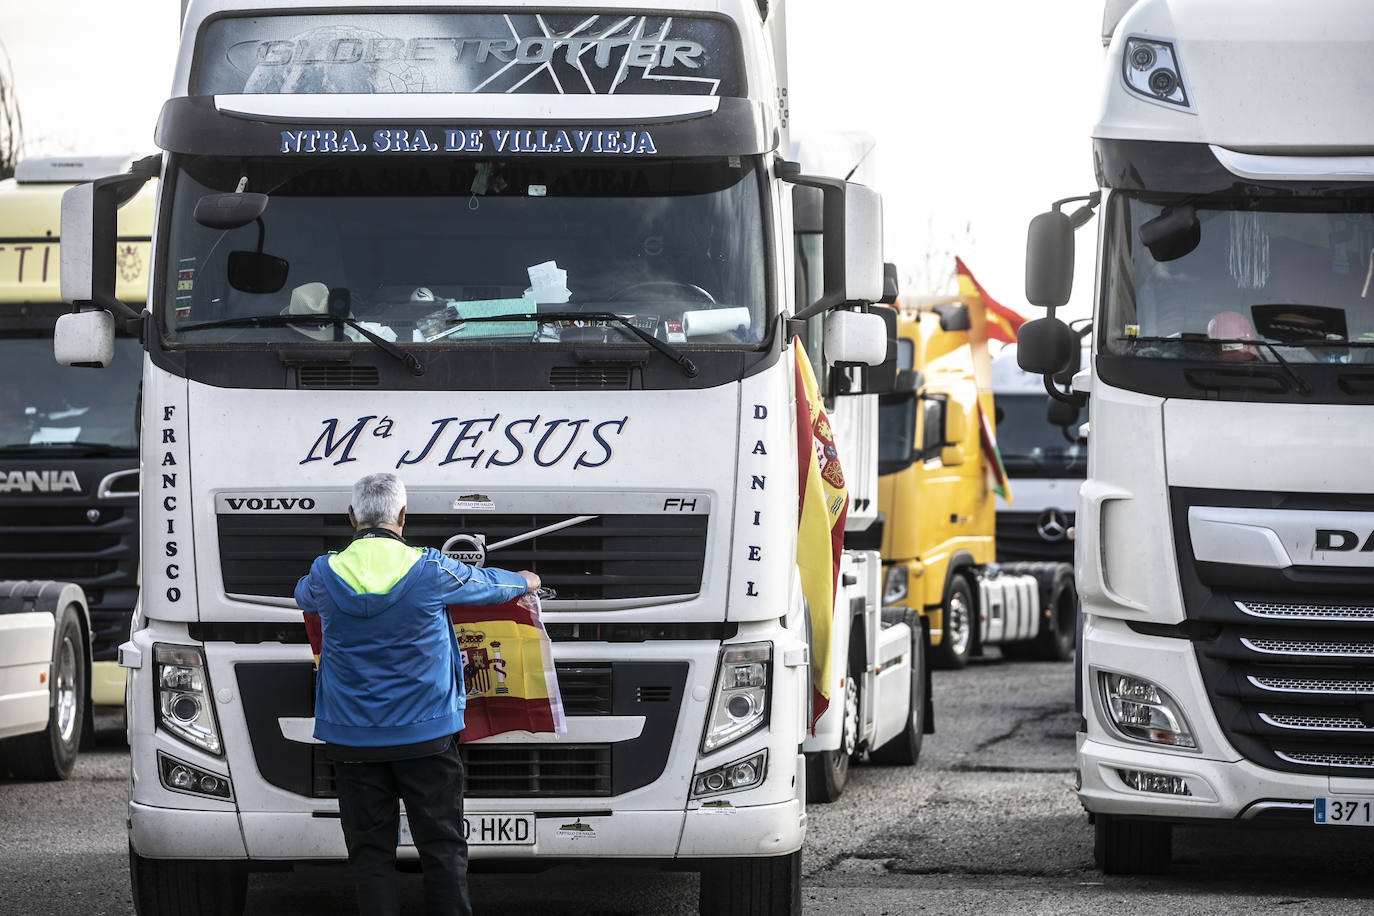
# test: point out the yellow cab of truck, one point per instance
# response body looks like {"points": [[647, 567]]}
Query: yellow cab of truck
{"points": [[937, 469], [69, 436]]}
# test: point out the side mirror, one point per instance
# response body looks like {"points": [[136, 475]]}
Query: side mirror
{"points": [[891, 287], [89, 233], [1064, 377], [855, 339], [852, 253], [955, 427], [1061, 413], [953, 317], [1045, 346], [84, 339], [882, 378], [952, 455], [1049, 260], [863, 244]]}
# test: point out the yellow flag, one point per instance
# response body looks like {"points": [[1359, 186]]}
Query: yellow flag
{"points": [[823, 503]]}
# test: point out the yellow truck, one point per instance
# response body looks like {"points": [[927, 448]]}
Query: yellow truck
{"points": [[938, 477], [69, 436]]}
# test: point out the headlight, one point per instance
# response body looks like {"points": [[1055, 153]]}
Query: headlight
{"points": [[183, 700], [1151, 69], [741, 702], [1143, 711], [894, 585]]}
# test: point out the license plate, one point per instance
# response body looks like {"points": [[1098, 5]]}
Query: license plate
{"points": [[1343, 810], [487, 830]]}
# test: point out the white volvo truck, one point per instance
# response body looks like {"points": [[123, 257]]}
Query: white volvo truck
{"points": [[541, 264], [1224, 555]]}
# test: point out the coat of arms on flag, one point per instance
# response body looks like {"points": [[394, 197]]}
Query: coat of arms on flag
{"points": [[508, 671]]}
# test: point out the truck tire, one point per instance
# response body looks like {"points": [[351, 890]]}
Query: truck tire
{"points": [[752, 887], [958, 623], [171, 887], [827, 772], [1122, 846], [905, 749], [1055, 641], [51, 753]]}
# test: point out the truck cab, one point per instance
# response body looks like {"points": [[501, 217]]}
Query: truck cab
{"points": [[69, 436]]}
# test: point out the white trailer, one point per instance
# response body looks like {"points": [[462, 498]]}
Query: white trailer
{"points": [[1223, 535], [542, 265]]}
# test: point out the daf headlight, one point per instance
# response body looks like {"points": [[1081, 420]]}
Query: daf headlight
{"points": [[1143, 711], [184, 706], [894, 585], [741, 700], [1151, 69]]}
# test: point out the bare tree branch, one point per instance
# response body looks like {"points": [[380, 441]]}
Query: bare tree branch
{"points": [[11, 121]]}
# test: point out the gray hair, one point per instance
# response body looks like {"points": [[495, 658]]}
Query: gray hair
{"points": [[378, 499]]}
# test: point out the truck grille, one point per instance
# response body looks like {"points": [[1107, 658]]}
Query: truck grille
{"points": [[650, 689], [1287, 656], [1019, 538], [609, 557], [60, 542]]}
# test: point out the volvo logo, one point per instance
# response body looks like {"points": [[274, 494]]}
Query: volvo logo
{"points": [[467, 548], [1052, 525]]}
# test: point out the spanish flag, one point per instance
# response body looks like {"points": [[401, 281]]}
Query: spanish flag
{"points": [[508, 671], [823, 503], [1003, 323]]}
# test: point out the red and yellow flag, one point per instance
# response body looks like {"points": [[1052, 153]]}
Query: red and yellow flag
{"points": [[508, 671], [1003, 323], [823, 503]]}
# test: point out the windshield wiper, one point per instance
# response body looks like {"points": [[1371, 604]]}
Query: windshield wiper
{"points": [[1273, 349], [405, 357], [666, 349]]}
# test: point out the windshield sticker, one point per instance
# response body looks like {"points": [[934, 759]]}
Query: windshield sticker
{"points": [[583, 142], [474, 502], [581, 53], [186, 281]]}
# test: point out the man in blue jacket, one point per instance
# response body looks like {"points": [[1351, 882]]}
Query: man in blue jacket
{"points": [[389, 696]]}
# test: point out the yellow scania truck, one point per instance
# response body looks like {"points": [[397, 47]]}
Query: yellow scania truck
{"points": [[938, 470]]}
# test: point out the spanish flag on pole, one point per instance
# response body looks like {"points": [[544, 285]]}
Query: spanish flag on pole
{"points": [[987, 321], [508, 671], [1003, 323], [823, 502]]}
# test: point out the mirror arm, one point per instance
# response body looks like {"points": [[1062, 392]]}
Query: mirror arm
{"points": [[1076, 398]]}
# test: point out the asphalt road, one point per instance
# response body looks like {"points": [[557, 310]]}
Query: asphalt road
{"points": [[986, 823]]}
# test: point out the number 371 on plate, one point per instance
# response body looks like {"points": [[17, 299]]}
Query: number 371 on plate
{"points": [[1341, 810]]}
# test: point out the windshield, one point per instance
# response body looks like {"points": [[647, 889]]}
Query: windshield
{"points": [[1030, 446], [415, 250], [44, 404], [1296, 276]]}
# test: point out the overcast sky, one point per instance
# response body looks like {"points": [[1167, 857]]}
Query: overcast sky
{"points": [[982, 108]]}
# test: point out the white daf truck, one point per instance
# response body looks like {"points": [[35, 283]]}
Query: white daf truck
{"points": [[1224, 554], [541, 264]]}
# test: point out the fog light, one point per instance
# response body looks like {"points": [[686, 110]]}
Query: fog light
{"points": [[732, 777], [1161, 783], [180, 776]]}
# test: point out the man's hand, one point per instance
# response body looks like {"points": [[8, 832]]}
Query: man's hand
{"points": [[531, 581]]}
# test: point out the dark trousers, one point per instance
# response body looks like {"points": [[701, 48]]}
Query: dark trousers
{"points": [[432, 789]]}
